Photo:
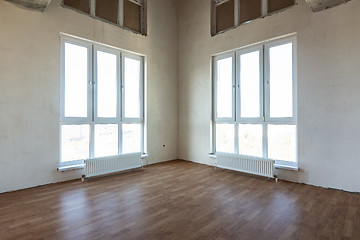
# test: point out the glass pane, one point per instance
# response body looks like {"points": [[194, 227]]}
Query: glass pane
{"points": [[276, 5], [224, 99], [74, 142], [132, 15], [250, 140], [282, 142], [281, 70], [250, 85], [108, 10], [106, 140], [225, 16], [76, 80], [131, 138], [132, 88], [225, 138], [106, 85], [82, 5], [249, 10]]}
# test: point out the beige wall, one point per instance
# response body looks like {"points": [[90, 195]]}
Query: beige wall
{"points": [[328, 45], [178, 49], [29, 85]]}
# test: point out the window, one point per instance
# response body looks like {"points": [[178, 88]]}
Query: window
{"points": [[132, 15], [107, 10], [227, 14], [255, 101], [129, 14], [101, 101], [82, 5]]}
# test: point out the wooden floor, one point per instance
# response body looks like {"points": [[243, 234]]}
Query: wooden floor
{"points": [[179, 200]]}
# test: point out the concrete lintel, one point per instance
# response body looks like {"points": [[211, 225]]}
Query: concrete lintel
{"points": [[38, 5]]}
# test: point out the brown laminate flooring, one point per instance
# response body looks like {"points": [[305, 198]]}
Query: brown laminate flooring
{"points": [[179, 200]]}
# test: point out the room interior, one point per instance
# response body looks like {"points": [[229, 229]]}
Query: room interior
{"points": [[178, 46]]}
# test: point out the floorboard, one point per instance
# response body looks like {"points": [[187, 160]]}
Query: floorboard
{"points": [[179, 200]]}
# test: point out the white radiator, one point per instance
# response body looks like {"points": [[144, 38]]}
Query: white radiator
{"points": [[252, 165], [101, 166]]}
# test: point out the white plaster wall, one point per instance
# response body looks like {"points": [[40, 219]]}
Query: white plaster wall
{"points": [[29, 85], [328, 86]]}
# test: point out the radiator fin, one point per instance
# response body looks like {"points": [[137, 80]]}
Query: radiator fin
{"points": [[101, 166], [253, 165]]}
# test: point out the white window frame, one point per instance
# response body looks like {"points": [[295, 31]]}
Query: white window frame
{"points": [[140, 120], [95, 85], [92, 119], [261, 84], [218, 58], [141, 117], [88, 45], [264, 118]]}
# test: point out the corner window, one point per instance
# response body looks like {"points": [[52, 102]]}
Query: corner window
{"points": [[129, 14], [227, 14], [255, 101], [101, 101]]}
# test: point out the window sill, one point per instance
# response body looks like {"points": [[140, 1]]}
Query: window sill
{"points": [[144, 155], [212, 155], [71, 167], [286, 167]]}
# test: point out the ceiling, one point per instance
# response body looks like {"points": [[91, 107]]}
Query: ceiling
{"points": [[40, 5]]}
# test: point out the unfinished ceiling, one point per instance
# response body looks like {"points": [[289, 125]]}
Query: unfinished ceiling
{"points": [[319, 5], [38, 5]]}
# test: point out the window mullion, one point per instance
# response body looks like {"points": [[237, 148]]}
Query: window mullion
{"points": [[266, 84], [262, 84], [141, 89], [265, 140], [143, 17], [237, 102], [236, 140], [92, 141], [93, 85], [264, 7], [120, 80], [121, 13], [122, 88], [92, 7], [142, 137], [234, 91], [236, 13], [237, 85], [266, 98], [213, 18], [118, 85], [92, 102], [294, 79], [120, 138], [120, 100]]}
